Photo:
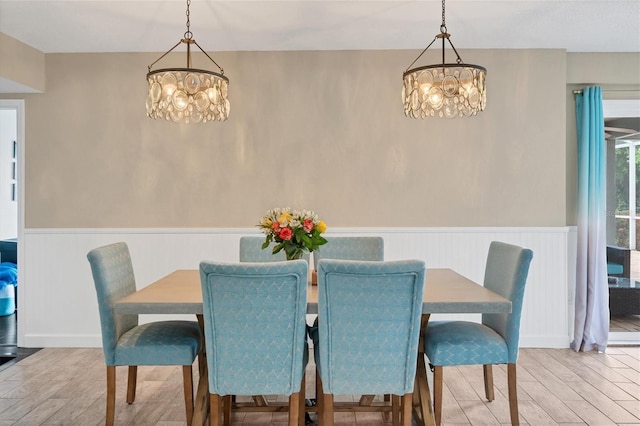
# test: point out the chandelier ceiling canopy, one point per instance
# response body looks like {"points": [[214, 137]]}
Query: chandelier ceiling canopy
{"points": [[444, 90], [187, 95]]}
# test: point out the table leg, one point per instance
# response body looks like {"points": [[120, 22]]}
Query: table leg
{"points": [[260, 400]]}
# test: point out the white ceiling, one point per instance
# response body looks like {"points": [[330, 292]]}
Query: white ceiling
{"points": [[155, 26]]}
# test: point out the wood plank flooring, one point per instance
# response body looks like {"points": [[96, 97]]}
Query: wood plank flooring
{"points": [[625, 323], [66, 386]]}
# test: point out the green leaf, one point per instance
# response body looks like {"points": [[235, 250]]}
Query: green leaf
{"points": [[267, 241], [306, 240], [277, 248]]}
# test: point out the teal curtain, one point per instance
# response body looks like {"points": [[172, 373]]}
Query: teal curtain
{"points": [[591, 326]]}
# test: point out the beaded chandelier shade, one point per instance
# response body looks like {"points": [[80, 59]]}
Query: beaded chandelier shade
{"points": [[444, 90], [187, 95]]}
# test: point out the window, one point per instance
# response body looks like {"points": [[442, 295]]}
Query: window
{"points": [[622, 132], [627, 190]]}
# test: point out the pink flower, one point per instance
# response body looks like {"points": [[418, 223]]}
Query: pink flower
{"points": [[307, 225], [276, 227], [286, 234]]}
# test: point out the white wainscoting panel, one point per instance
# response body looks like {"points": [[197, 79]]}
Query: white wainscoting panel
{"points": [[57, 305]]}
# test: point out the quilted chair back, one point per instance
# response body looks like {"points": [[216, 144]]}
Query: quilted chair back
{"points": [[350, 248], [255, 329], [113, 278], [506, 274], [251, 251], [369, 325]]}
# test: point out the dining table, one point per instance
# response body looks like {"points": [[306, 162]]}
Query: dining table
{"points": [[445, 292]]}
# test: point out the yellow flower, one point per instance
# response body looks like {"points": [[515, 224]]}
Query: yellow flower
{"points": [[321, 226], [284, 219]]}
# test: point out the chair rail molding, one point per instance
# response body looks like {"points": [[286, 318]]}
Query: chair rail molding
{"points": [[57, 303]]}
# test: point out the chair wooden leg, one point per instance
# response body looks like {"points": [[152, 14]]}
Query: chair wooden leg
{"points": [[187, 383], [325, 405], [437, 394], [422, 398], [227, 402], [202, 355], [407, 402], [395, 410], [327, 409], [111, 394], [319, 400], [215, 409], [294, 408], [301, 401], [131, 383], [318, 389], [513, 394], [488, 381]]}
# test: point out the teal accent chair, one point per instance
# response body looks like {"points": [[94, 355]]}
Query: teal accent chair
{"points": [[366, 342], [350, 248], [255, 330], [495, 340], [251, 251], [125, 342]]}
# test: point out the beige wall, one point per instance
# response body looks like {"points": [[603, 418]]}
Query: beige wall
{"points": [[21, 65], [315, 130]]}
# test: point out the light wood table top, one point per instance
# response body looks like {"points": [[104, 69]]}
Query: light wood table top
{"points": [[445, 291]]}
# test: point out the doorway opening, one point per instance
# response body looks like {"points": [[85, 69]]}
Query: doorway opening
{"points": [[11, 223], [622, 134]]}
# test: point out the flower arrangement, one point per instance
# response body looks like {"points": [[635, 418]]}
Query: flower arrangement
{"points": [[294, 231]]}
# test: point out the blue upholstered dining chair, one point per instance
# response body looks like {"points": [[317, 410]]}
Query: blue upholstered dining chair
{"points": [[495, 340], [368, 330], [125, 342], [255, 329], [251, 251], [350, 248]]}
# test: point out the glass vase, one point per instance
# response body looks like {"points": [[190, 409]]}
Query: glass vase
{"points": [[296, 254]]}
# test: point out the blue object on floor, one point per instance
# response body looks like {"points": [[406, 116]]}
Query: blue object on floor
{"points": [[8, 281], [9, 272], [7, 299]]}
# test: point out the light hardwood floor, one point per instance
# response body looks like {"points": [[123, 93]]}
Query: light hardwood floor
{"points": [[58, 386], [627, 323]]}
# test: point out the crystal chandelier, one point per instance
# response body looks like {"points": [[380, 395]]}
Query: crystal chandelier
{"points": [[187, 95], [445, 90]]}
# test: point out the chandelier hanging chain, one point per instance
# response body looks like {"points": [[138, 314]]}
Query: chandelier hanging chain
{"points": [[188, 34]]}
